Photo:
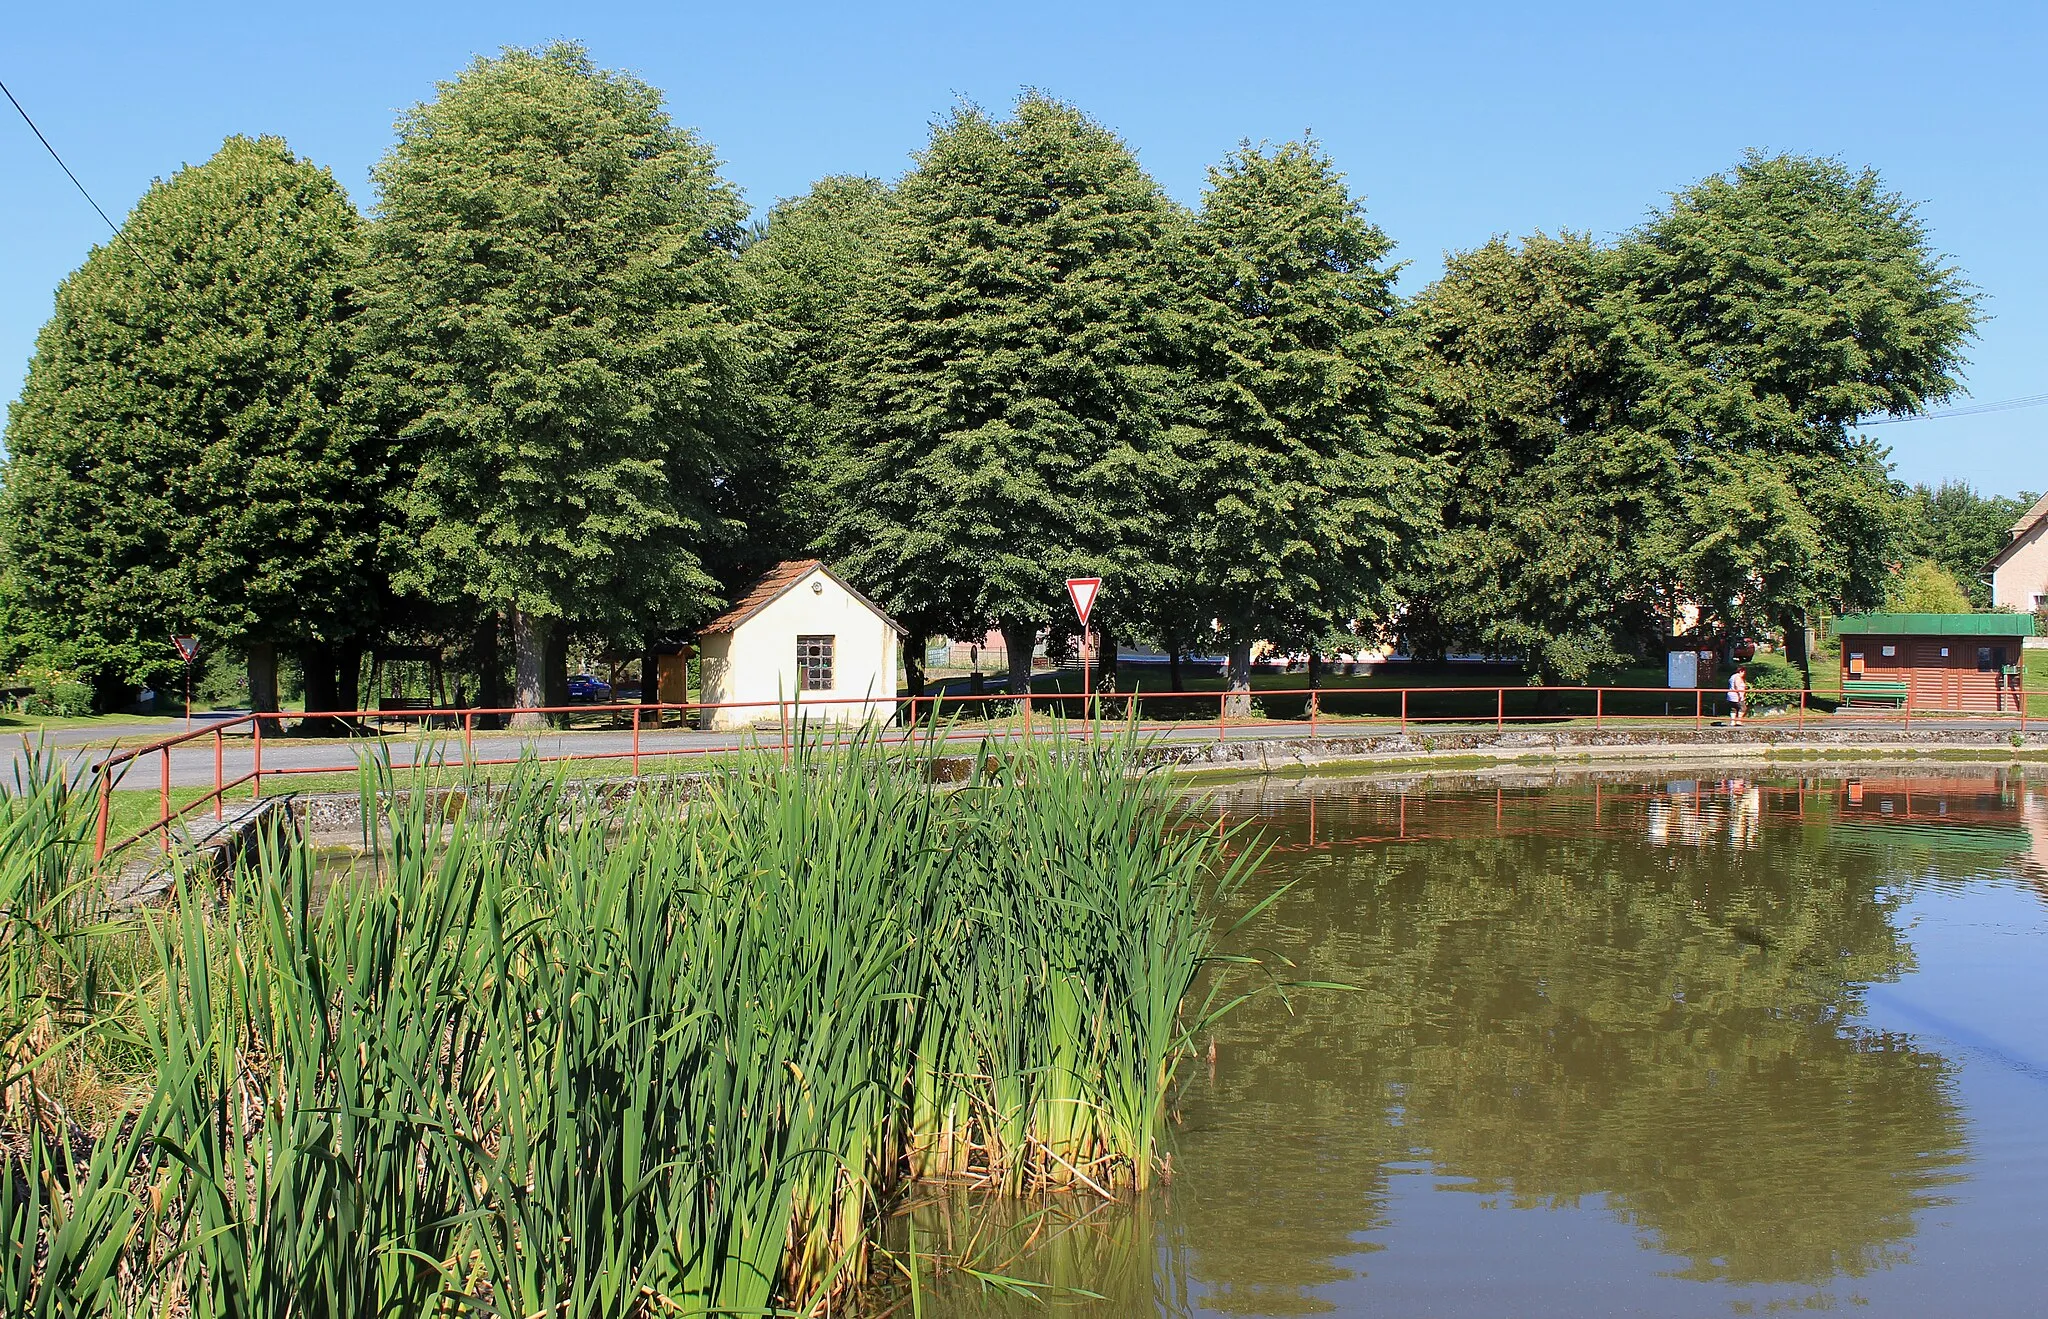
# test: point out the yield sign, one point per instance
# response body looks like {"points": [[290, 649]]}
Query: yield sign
{"points": [[188, 648], [1082, 590]]}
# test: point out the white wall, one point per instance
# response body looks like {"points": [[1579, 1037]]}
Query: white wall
{"points": [[2025, 575], [757, 660]]}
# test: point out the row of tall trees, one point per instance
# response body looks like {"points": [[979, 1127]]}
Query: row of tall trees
{"points": [[554, 388]]}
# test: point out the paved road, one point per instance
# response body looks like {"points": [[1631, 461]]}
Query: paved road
{"points": [[192, 764]]}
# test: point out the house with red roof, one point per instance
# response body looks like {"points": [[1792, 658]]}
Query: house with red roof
{"points": [[800, 644]]}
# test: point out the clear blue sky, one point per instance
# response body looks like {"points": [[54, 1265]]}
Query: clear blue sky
{"points": [[1455, 122]]}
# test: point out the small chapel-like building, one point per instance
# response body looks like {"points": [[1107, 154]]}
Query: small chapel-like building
{"points": [[801, 642]]}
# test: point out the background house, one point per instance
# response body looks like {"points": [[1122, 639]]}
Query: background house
{"points": [[800, 635], [2019, 572]]}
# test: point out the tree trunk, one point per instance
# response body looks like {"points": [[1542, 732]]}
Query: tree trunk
{"points": [[488, 650], [913, 662], [558, 671], [650, 685], [1239, 681], [1315, 670], [323, 689], [1173, 678], [1105, 650], [262, 657], [530, 635], [1797, 650], [1018, 639]]}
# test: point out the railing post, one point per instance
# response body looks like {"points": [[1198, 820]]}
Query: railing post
{"points": [[1222, 711], [1599, 706], [164, 816], [99, 833], [1699, 709], [1404, 712], [469, 741], [1908, 702], [1314, 704], [636, 741], [256, 776], [1027, 714], [220, 802], [1500, 709], [1802, 726]]}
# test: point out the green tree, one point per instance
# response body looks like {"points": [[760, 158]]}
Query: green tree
{"points": [[1301, 465], [1766, 311], [1008, 381], [551, 315], [803, 274], [1670, 422], [183, 456], [1925, 587], [1547, 549], [1961, 530]]}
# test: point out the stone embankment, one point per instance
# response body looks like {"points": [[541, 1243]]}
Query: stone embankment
{"points": [[336, 818]]}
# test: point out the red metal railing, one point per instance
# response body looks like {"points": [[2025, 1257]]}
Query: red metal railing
{"points": [[1308, 713]]}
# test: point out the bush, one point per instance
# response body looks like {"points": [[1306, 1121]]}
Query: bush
{"points": [[52, 691], [1774, 684]]}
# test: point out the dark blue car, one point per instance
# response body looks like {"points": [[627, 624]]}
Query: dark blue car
{"points": [[585, 687]]}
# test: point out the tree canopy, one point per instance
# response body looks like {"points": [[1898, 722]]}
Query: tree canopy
{"points": [[183, 456], [551, 321], [1299, 464], [1007, 383]]}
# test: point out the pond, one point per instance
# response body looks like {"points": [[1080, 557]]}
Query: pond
{"points": [[1616, 1045]]}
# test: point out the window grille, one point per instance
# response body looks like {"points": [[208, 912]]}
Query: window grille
{"points": [[814, 664]]}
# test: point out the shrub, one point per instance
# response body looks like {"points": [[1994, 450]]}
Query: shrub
{"points": [[52, 691], [1774, 684]]}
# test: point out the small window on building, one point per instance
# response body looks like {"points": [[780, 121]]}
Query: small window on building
{"points": [[814, 664], [2041, 604], [1990, 659], [1944, 652], [1890, 651]]}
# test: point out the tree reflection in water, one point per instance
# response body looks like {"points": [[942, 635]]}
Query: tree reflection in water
{"points": [[1639, 999]]}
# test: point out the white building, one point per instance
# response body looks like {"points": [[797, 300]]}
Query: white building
{"points": [[804, 639], [2019, 572]]}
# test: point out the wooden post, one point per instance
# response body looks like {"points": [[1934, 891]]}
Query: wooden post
{"points": [[1404, 712], [256, 779], [1699, 708], [164, 817], [1599, 705], [220, 803], [1222, 705], [469, 741], [636, 741], [99, 835], [1500, 709]]}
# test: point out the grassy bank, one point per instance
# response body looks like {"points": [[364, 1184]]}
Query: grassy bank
{"points": [[669, 1061]]}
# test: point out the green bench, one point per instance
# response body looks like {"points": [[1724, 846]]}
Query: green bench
{"points": [[1873, 691]]}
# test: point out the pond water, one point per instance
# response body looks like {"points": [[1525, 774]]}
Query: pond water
{"points": [[1625, 1045]]}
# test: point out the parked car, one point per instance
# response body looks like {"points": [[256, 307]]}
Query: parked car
{"points": [[587, 687], [1745, 650]]}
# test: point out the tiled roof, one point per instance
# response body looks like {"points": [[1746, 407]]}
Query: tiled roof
{"points": [[771, 586], [2032, 517], [2029, 521]]}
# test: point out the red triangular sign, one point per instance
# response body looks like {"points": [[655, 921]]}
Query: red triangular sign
{"points": [[1082, 591], [188, 648]]}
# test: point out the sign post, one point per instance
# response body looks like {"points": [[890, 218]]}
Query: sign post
{"points": [[1082, 591], [188, 650]]}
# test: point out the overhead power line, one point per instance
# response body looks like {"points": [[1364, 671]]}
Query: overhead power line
{"points": [[1969, 410], [59, 159]]}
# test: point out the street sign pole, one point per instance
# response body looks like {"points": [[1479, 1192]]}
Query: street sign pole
{"points": [[1082, 591], [188, 650]]}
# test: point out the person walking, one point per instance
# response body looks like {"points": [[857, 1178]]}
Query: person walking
{"points": [[1738, 695]]}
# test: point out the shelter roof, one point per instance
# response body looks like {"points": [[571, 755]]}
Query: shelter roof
{"points": [[1935, 625], [772, 586]]}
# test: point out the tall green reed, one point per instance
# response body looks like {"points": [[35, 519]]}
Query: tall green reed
{"points": [[663, 1050]]}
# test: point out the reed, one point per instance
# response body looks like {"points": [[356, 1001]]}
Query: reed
{"points": [[668, 1053]]}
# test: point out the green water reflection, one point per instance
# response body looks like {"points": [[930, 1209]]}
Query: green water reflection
{"points": [[1637, 1000]]}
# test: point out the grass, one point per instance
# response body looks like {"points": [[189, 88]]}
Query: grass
{"points": [[669, 1058]]}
